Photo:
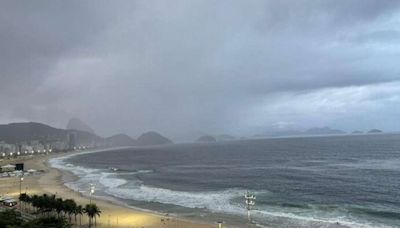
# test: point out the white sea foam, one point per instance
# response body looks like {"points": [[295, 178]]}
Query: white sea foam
{"points": [[109, 181], [312, 220], [214, 201], [218, 201]]}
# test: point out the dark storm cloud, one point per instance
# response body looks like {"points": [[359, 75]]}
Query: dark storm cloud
{"points": [[198, 66], [35, 35]]}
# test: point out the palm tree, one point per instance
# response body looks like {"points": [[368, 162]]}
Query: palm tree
{"points": [[69, 206], [92, 211], [79, 211], [28, 201], [52, 205], [35, 202], [59, 205], [45, 204], [23, 198]]}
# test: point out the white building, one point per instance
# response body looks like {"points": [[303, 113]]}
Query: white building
{"points": [[8, 148]]}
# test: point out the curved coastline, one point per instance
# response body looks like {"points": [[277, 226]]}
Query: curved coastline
{"points": [[114, 212]]}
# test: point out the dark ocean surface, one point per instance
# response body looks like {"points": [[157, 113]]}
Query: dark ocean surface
{"points": [[340, 181]]}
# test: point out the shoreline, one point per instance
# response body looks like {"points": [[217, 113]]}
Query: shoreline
{"points": [[114, 213], [193, 221]]}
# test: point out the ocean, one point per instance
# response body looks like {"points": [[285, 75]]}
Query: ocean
{"points": [[335, 181]]}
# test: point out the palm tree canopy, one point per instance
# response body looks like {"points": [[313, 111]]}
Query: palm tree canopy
{"points": [[79, 210], [92, 210]]}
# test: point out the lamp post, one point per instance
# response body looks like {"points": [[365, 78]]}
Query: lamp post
{"points": [[92, 189], [250, 200], [21, 178]]}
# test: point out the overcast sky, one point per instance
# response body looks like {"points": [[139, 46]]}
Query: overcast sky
{"points": [[190, 67]]}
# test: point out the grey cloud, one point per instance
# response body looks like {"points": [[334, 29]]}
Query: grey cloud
{"points": [[186, 66], [382, 36], [34, 35]]}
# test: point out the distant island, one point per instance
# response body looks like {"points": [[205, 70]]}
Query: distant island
{"points": [[315, 132], [216, 138], [225, 137], [357, 132], [152, 138], [311, 131], [206, 139], [374, 131], [323, 131]]}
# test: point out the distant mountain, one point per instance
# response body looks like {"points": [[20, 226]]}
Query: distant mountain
{"points": [[19, 132], [152, 138], [121, 140], [225, 137], [357, 132], [206, 139], [16, 132], [323, 131], [77, 124], [311, 131], [374, 131], [281, 133]]}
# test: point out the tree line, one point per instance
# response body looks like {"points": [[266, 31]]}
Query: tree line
{"points": [[10, 218], [51, 206]]}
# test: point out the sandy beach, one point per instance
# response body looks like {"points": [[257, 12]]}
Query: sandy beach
{"points": [[51, 181]]}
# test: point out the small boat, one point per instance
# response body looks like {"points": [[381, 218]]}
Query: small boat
{"points": [[113, 169]]}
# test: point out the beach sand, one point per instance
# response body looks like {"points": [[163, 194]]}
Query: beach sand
{"points": [[113, 214]]}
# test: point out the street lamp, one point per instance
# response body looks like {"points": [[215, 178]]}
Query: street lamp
{"points": [[92, 189], [21, 178], [250, 200]]}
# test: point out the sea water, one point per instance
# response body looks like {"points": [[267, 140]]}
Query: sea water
{"points": [[337, 181]]}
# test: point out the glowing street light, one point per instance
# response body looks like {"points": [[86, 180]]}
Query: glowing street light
{"points": [[21, 178], [92, 189], [250, 201]]}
